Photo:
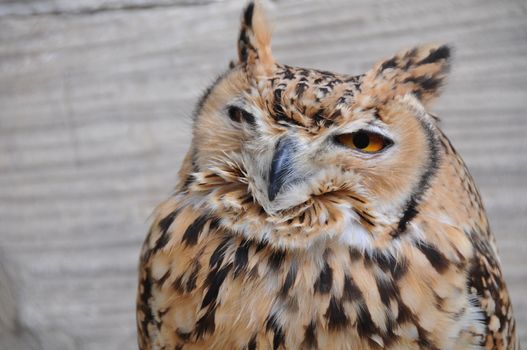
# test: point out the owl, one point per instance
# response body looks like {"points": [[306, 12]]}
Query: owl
{"points": [[318, 210]]}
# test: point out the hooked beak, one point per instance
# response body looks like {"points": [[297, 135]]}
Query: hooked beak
{"points": [[281, 172]]}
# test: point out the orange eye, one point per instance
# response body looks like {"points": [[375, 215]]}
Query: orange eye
{"points": [[364, 141]]}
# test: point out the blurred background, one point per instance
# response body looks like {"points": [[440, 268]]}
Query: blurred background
{"points": [[95, 104]]}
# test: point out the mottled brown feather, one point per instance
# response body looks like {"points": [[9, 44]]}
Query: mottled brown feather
{"points": [[359, 252]]}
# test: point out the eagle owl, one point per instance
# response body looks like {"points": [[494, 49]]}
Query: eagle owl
{"points": [[318, 210]]}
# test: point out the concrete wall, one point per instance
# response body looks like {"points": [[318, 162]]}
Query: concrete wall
{"points": [[95, 98]]}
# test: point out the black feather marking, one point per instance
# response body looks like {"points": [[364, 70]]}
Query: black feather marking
{"points": [[278, 110], [214, 280], [404, 314], [442, 52], [391, 63], [368, 259], [431, 84], [336, 114], [320, 120], [355, 254], [486, 281], [289, 279], [365, 325], [178, 284], [206, 324], [424, 339], [363, 217], [325, 280], [387, 290], [248, 199], [410, 209], [351, 291], [304, 72], [217, 256], [288, 74], [360, 200], [271, 322], [310, 336], [144, 297], [191, 235], [300, 88], [276, 259], [278, 339], [241, 257], [260, 246], [325, 73], [214, 223], [384, 261], [388, 263], [161, 242], [163, 278], [409, 214], [164, 225], [434, 256], [424, 83], [252, 343], [279, 336], [399, 269], [188, 181], [243, 46], [335, 315], [191, 281], [302, 217]]}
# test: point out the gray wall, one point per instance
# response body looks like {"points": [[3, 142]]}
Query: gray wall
{"points": [[95, 98]]}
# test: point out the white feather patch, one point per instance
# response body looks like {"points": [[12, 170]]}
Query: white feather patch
{"points": [[355, 235]]}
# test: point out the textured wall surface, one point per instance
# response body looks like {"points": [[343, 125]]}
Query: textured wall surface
{"points": [[95, 104]]}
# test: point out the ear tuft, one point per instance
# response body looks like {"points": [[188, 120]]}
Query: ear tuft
{"points": [[254, 43], [421, 71], [248, 14]]}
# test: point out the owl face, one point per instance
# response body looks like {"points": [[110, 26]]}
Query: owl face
{"points": [[341, 147]]}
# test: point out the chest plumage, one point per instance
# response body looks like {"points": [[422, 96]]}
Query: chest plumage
{"points": [[322, 211]]}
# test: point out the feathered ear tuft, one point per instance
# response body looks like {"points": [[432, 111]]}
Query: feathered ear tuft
{"points": [[254, 43], [421, 71]]}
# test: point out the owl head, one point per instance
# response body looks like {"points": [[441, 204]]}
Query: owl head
{"points": [[293, 156]]}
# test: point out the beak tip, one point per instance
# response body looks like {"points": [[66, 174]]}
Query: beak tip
{"points": [[271, 193], [281, 165]]}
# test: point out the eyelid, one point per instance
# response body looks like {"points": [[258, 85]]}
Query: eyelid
{"points": [[377, 130], [367, 127], [237, 114]]}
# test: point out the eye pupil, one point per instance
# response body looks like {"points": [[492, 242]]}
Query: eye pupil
{"points": [[364, 141], [235, 114], [361, 140]]}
